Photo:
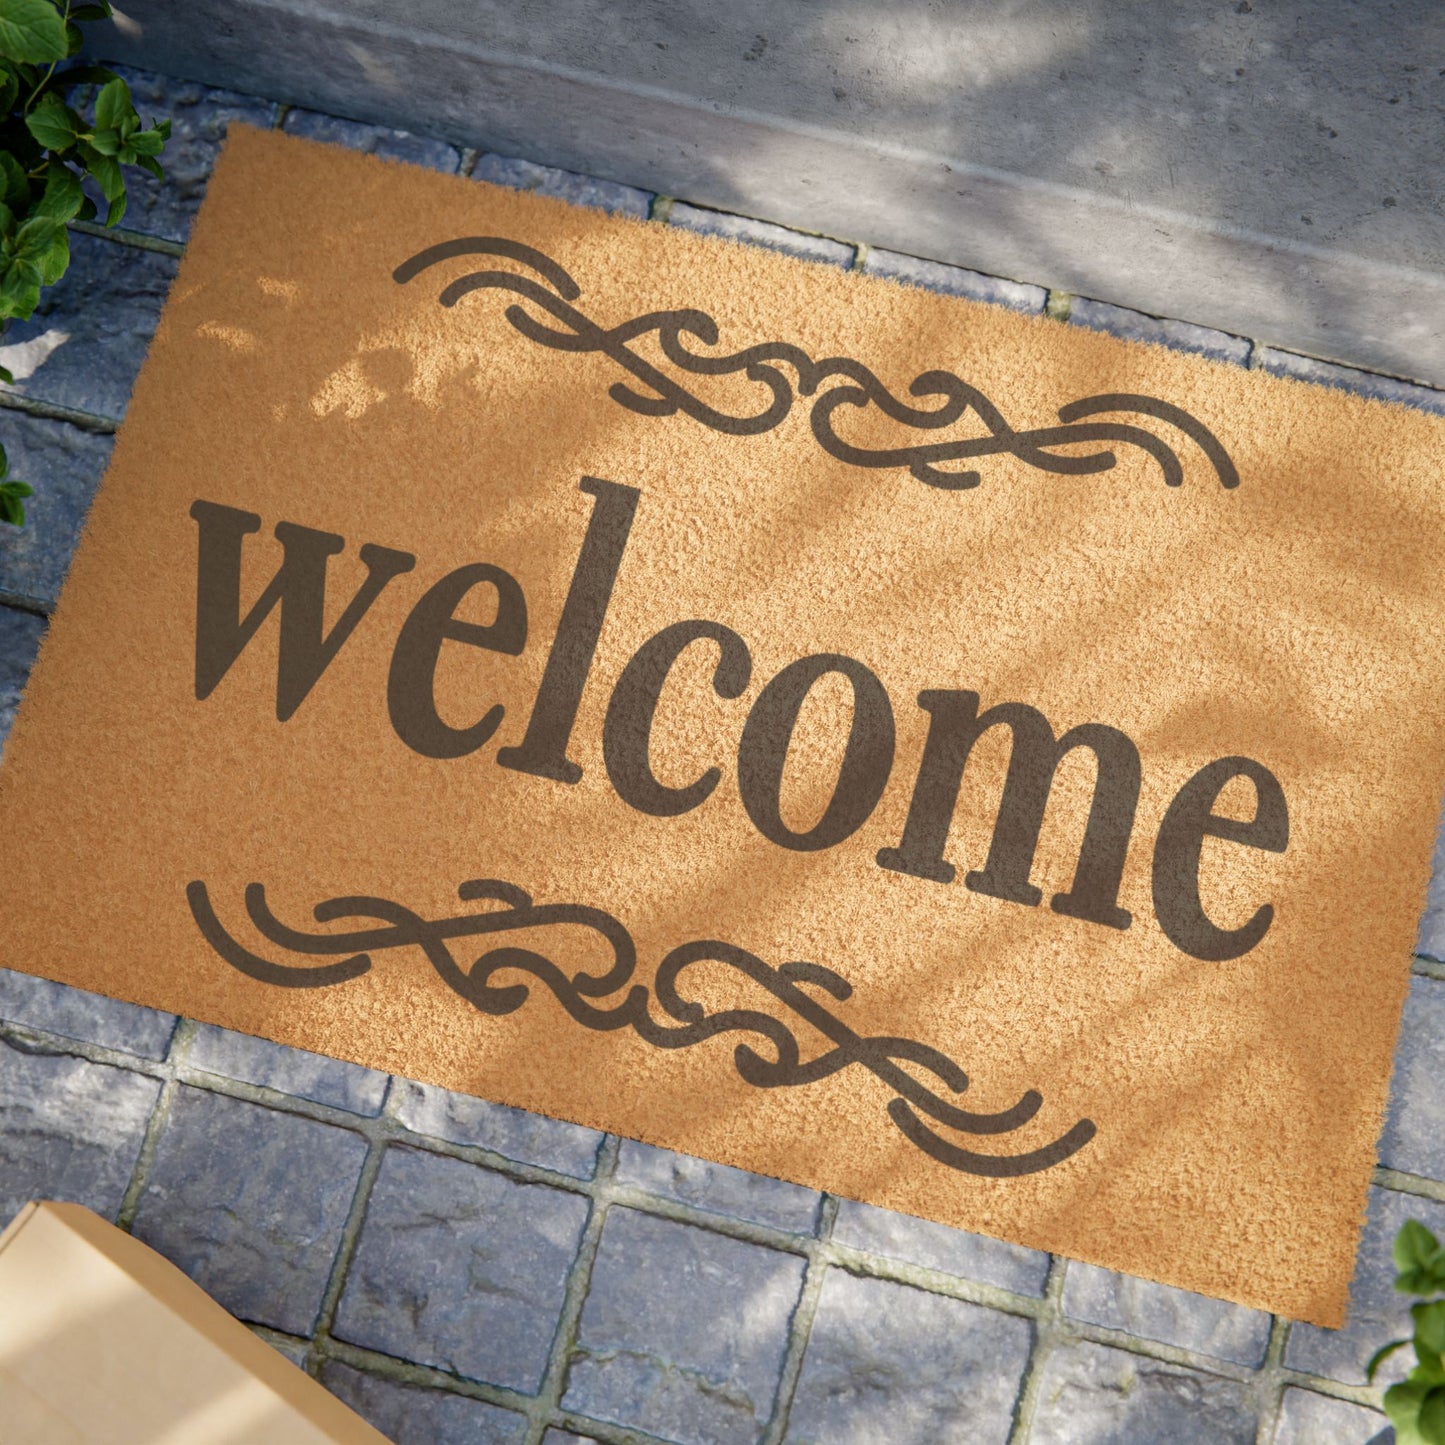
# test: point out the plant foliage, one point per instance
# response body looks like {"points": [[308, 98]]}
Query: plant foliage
{"points": [[47, 150], [1416, 1406]]}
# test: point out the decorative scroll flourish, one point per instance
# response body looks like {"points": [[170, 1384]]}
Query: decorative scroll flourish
{"points": [[657, 393], [607, 1000]]}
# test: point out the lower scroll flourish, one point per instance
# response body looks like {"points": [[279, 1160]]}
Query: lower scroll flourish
{"points": [[609, 1000]]}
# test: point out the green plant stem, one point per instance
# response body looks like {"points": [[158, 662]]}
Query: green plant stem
{"points": [[45, 79]]}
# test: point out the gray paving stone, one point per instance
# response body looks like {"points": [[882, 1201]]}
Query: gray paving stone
{"points": [[1431, 940], [580, 190], [250, 1202], [1377, 1313], [69, 1129], [20, 634], [953, 280], [761, 233], [1171, 1316], [376, 140], [85, 343], [1414, 1135], [199, 117], [936, 1246], [718, 1187], [1136, 326], [1346, 378], [291, 1071], [1093, 1395], [414, 1415], [461, 1268], [886, 1362], [64, 464], [684, 1331], [1306, 1418], [513, 1133], [91, 1017]]}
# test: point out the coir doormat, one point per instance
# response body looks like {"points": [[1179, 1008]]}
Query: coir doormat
{"points": [[940, 756]]}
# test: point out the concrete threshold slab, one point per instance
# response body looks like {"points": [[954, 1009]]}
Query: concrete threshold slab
{"points": [[1269, 173]]}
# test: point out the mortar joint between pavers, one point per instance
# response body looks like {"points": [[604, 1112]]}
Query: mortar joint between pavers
{"points": [[1366, 1395], [350, 1234], [867, 1265], [548, 1402], [1058, 304], [176, 1051], [800, 1325], [860, 255], [1424, 966], [630, 1196], [29, 1039], [124, 236], [408, 1372], [1269, 1385], [19, 602], [1403, 1183], [48, 411], [1046, 1323]]}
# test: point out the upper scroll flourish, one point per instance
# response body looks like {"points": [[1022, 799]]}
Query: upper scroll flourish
{"points": [[783, 373]]}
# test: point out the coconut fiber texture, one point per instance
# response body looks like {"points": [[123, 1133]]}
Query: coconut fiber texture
{"points": [[936, 755]]}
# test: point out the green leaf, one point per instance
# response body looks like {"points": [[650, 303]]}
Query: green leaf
{"points": [[40, 243], [85, 75], [106, 172], [91, 12], [52, 122], [7, 222], [9, 380], [147, 142], [1430, 1326], [55, 260], [63, 196], [35, 237], [1402, 1405], [4, 460], [31, 30], [9, 89], [87, 210], [74, 39], [1432, 1417], [107, 142], [115, 210], [12, 509], [113, 105], [14, 186], [17, 489], [20, 290], [1414, 1246], [1380, 1356], [151, 164]]}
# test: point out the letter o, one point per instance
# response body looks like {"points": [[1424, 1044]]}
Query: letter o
{"points": [[768, 732]]}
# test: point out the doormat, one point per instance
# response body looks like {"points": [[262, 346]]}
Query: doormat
{"points": [[966, 763]]}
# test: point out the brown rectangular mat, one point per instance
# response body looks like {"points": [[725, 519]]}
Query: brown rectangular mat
{"points": [[941, 756]]}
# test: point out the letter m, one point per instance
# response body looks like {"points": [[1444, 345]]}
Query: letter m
{"points": [[305, 648], [955, 725]]}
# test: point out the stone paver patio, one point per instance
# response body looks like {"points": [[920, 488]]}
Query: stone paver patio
{"points": [[459, 1271]]}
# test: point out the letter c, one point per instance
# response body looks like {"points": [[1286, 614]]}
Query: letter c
{"points": [[627, 731]]}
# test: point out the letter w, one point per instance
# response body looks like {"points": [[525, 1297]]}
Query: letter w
{"points": [[305, 649]]}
